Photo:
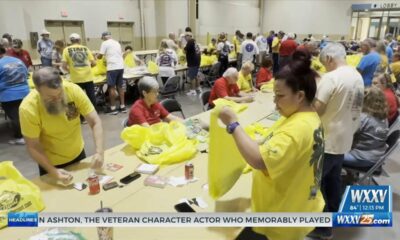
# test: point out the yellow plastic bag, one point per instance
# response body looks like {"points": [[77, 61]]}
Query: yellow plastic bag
{"points": [[225, 163], [161, 143], [129, 61], [17, 194], [152, 67], [268, 87], [257, 132], [100, 68], [135, 135], [205, 60], [237, 107], [181, 56]]}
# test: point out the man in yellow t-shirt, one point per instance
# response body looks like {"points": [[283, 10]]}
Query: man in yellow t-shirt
{"points": [[395, 66], [276, 44], [78, 59], [50, 124], [245, 81]]}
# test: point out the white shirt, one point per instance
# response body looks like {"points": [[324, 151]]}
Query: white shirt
{"points": [[111, 49], [342, 90], [262, 43], [248, 49], [170, 59], [183, 40], [171, 44]]}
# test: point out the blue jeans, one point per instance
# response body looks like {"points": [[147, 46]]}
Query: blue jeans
{"points": [[351, 161], [46, 62]]}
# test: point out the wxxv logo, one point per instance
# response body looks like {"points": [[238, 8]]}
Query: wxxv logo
{"points": [[365, 206], [357, 219]]}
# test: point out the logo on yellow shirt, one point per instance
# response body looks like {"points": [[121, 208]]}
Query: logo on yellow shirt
{"points": [[72, 111], [317, 159]]}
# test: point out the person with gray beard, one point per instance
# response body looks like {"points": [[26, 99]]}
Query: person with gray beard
{"points": [[50, 124]]}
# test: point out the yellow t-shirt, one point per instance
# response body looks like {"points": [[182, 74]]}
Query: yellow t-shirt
{"points": [[244, 83], [276, 44], [395, 67], [317, 65], [384, 62], [237, 43], [60, 135], [211, 47], [293, 154], [78, 59]]}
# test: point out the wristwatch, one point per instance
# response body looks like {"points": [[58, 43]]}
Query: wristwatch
{"points": [[231, 127]]}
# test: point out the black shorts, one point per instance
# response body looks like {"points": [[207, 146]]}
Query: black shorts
{"points": [[115, 78]]}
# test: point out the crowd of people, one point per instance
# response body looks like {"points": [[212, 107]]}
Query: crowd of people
{"points": [[330, 118]]}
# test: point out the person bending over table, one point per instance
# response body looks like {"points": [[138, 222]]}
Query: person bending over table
{"points": [[147, 110], [264, 74], [287, 167], [245, 81], [226, 87], [50, 124]]}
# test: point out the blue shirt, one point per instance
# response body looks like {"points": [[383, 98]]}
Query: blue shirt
{"points": [[13, 79], [389, 54], [367, 66], [45, 48]]}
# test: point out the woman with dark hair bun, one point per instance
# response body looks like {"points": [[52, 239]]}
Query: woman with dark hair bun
{"points": [[287, 166]]}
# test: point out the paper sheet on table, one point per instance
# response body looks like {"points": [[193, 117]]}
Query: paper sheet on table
{"points": [[225, 163]]}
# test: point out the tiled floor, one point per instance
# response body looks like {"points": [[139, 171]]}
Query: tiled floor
{"points": [[191, 105]]}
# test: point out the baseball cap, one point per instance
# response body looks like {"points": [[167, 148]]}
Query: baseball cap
{"points": [[104, 34], [74, 36]]}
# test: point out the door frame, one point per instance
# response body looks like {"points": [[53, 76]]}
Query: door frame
{"points": [[379, 26], [81, 22]]}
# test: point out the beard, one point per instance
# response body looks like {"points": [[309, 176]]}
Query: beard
{"points": [[55, 108]]}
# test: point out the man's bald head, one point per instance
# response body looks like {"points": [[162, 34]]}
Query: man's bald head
{"points": [[48, 77]]}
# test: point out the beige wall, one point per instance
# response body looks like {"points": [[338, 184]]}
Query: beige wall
{"points": [[318, 17]]}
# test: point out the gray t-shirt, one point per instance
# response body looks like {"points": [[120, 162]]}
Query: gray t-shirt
{"points": [[369, 142], [45, 48]]}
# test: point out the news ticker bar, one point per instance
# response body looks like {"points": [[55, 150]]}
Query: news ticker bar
{"points": [[24, 219]]}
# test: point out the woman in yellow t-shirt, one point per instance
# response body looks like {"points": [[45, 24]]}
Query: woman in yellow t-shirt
{"points": [[287, 166], [245, 81]]}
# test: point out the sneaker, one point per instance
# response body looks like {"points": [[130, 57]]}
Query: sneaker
{"points": [[199, 90], [112, 111], [17, 141], [191, 93], [123, 109], [323, 233]]}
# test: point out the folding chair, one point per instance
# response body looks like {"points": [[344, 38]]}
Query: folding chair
{"points": [[124, 123], [213, 74], [170, 88], [368, 173], [204, 96], [172, 106]]}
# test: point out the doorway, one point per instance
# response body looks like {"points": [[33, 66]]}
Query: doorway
{"points": [[122, 32], [60, 30]]}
